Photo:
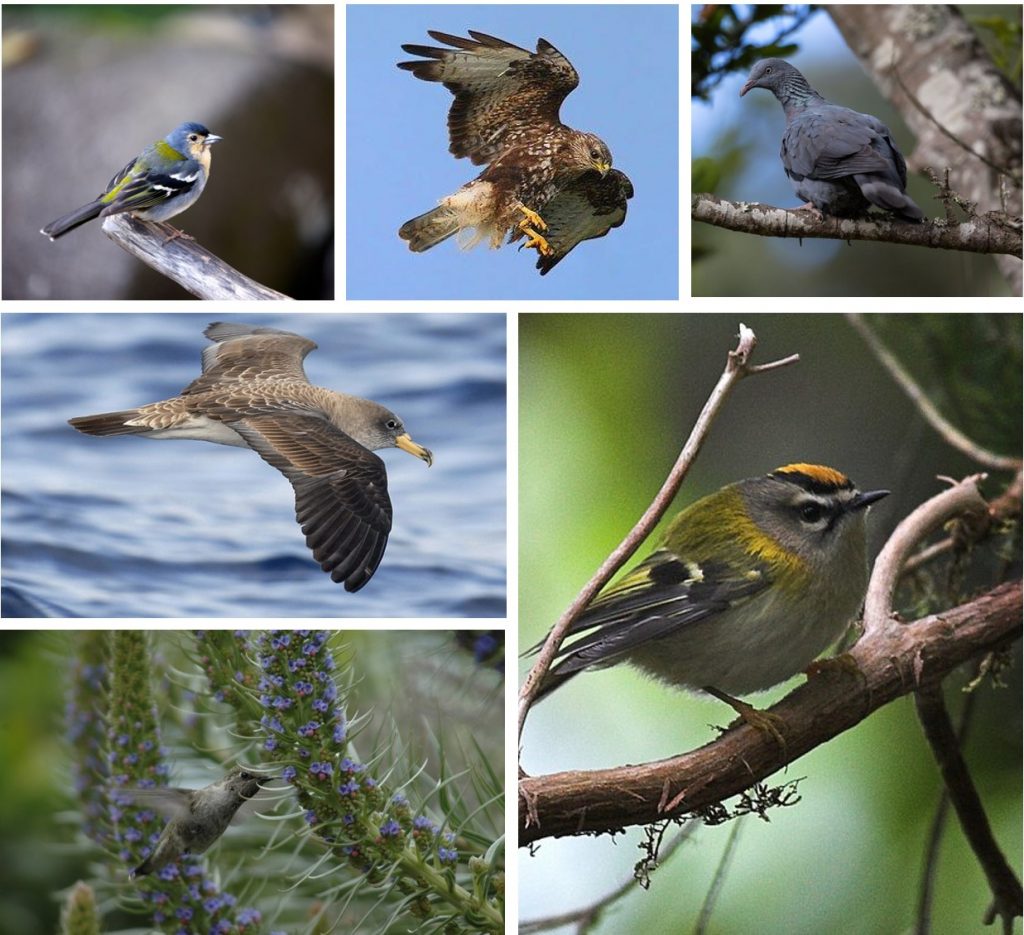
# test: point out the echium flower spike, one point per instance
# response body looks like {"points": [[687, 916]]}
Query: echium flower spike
{"points": [[223, 656], [79, 915], [86, 731], [180, 896], [344, 804]]}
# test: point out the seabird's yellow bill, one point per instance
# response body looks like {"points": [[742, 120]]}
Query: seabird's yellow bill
{"points": [[406, 443]]}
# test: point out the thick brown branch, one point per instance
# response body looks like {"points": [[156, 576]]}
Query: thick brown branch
{"points": [[985, 234], [889, 664], [191, 266]]}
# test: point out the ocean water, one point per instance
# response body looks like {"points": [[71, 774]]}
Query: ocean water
{"points": [[130, 527]]}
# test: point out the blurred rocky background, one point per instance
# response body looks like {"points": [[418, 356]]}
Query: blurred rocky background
{"points": [[87, 88]]}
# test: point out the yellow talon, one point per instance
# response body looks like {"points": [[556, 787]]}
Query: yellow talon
{"points": [[531, 217], [537, 241]]}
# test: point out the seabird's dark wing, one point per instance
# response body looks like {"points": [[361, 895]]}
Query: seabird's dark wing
{"points": [[341, 490]]}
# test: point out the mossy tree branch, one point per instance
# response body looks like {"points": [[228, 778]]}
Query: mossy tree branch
{"points": [[885, 666], [992, 233]]}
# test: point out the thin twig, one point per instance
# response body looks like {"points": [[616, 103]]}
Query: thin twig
{"points": [[961, 498], [1007, 506], [945, 131], [583, 918], [737, 367], [950, 433], [715, 889], [1008, 898], [931, 862]]}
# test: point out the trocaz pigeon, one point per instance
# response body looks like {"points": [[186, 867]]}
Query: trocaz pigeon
{"points": [[837, 159]]}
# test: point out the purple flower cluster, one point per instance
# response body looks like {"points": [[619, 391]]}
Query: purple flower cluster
{"points": [[428, 837], [85, 730], [179, 895]]}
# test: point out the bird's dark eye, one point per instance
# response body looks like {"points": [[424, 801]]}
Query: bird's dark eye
{"points": [[391, 424], [811, 512], [767, 71], [193, 137]]}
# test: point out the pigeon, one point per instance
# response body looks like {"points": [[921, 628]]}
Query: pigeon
{"points": [[838, 160]]}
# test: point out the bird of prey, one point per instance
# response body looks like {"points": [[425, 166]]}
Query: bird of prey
{"points": [[544, 182], [253, 393]]}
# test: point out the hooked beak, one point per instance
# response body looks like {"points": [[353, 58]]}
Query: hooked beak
{"points": [[406, 443], [602, 167], [863, 500]]}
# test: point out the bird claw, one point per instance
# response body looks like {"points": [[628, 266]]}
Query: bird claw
{"points": [[531, 217], [810, 209], [174, 233], [537, 241], [764, 721]]}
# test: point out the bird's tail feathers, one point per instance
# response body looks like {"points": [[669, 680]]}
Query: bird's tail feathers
{"points": [[108, 423], [69, 222], [887, 196], [429, 229]]}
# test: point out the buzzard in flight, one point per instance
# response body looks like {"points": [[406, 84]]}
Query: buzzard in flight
{"points": [[544, 181]]}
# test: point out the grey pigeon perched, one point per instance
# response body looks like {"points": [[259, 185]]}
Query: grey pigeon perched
{"points": [[837, 159]]}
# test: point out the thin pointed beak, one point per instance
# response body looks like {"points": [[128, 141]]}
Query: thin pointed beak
{"points": [[213, 138], [863, 500], [406, 443]]}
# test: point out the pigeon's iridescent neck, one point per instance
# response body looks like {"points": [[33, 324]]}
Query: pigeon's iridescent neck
{"points": [[795, 94]]}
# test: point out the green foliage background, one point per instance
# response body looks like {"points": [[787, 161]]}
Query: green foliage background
{"points": [[605, 404]]}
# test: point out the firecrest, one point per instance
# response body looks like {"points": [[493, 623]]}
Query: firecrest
{"points": [[747, 586]]}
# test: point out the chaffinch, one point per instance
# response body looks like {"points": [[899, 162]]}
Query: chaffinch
{"points": [[161, 182]]}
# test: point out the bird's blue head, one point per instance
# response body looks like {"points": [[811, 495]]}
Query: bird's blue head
{"points": [[191, 139]]}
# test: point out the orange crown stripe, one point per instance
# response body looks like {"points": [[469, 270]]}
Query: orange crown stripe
{"points": [[818, 473]]}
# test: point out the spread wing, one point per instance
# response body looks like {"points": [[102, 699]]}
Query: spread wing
{"points": [[504, 95], [341, 490], [245, 353], [588, 208]]}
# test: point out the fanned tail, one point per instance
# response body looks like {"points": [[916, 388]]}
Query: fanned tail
{"points": [[429, 229]]}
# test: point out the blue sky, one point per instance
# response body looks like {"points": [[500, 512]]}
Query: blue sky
{"points": [[398, 164]]}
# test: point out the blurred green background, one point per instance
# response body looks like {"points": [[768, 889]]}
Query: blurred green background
{"points": [[606, 402]]}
